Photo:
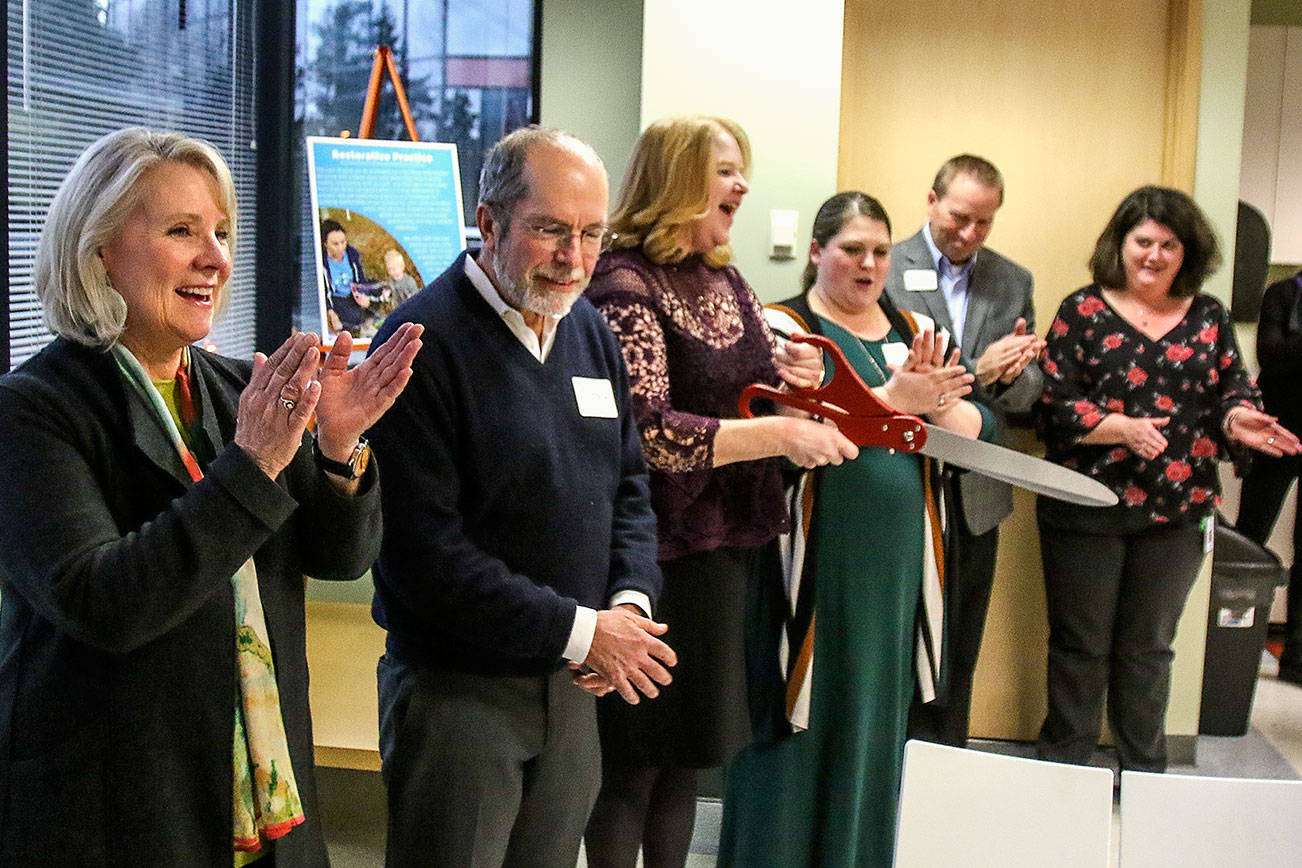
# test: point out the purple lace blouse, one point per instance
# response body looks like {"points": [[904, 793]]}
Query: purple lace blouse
{"points": [[693, 337]]}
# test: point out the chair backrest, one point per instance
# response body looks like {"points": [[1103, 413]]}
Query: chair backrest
{"points": [[966, 807], [1195, 821]]}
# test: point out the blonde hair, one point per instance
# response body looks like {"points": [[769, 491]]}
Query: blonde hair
{"points": [[91, 205], [666, 189]]}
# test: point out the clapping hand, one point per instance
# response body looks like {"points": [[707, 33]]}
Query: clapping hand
{"points": [[927, 382], [352, 400], [1005, 359], [277, 403]]}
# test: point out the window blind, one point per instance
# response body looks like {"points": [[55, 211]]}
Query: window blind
{"points": [[81, 68]]}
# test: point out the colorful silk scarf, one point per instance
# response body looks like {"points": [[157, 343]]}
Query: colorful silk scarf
{"points": [[267, 804]]}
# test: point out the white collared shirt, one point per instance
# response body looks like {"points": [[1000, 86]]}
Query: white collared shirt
{"points": [[953, 283], [585, 618], [513, 318]]}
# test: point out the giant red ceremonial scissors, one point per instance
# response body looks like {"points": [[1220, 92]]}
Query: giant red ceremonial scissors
{"points": [[848, 402]]}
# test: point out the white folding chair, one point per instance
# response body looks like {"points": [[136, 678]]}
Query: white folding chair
{"points": [[965, 807], [1194, 821]]}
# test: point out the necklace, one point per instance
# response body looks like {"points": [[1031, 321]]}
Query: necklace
{"points": [[872, 361], [1141, 311], [1144, 312]]}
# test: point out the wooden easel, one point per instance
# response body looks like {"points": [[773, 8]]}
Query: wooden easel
{"points": [[384, 63]]}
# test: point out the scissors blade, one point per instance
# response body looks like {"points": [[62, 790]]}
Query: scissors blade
{"points": [[1016, 468]]}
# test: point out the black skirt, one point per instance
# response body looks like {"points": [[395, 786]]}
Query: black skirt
{"points": [[700, 719]]}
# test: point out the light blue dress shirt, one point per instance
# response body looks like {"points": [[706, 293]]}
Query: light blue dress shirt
{"points": [[953, 283]]}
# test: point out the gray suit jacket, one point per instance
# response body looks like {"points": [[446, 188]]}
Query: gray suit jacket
{"points": [[999, 293]]}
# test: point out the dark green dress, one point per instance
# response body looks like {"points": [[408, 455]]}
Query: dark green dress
{"points": [[827, 796]]}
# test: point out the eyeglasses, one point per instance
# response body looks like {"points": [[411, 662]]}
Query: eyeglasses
{"points": [[561, 235]]}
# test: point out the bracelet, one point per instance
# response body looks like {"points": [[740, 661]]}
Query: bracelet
{"points": [[1228, 422]]}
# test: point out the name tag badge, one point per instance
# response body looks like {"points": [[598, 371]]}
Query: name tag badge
{"points": [[595, 397], [920, 280], [895, 353]]}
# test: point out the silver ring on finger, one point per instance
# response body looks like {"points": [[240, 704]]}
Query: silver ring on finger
{"points": [[286, 403], [941, 400], [1270, 441]]}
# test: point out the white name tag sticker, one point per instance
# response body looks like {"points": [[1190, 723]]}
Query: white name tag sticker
{"points": [[895, 354], [595, 397], [920, 279]]}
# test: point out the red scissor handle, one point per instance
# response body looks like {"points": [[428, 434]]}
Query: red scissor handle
{"points": [[847, 401]]}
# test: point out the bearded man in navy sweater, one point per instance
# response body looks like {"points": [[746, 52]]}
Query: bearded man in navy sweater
{"points": [[519, 555]]}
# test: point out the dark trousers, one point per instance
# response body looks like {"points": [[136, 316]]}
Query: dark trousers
{"points": [[1263, 495], [1114, 603], [945, 721], [484, 770]]}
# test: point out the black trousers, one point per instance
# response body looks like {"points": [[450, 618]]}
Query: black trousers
{"points": [[485, 770], [945, 721], [1114, 603], [1263, 496]]}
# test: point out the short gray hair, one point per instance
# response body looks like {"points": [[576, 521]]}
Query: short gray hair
{"points": [[91, 205], [502, 181]]}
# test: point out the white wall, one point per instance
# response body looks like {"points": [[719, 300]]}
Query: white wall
{"points": [[1220, 122], [774, 67], [592, 75]]}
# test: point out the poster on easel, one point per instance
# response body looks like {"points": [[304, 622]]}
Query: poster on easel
{"points": [[388, 221]]}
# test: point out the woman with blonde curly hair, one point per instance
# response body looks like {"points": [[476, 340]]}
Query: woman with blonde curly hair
{"points": [[693, 336]]}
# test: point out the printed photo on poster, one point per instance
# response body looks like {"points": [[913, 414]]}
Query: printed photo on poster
{"points": [[388, 221]]}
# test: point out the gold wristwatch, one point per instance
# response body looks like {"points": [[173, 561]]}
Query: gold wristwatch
{"points": [[353, 468]]}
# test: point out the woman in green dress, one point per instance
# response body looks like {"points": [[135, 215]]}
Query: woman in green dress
{"points": [[856, 623]]}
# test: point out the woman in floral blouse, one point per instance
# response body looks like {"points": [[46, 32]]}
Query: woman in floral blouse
{"points": [[1144, 391]]}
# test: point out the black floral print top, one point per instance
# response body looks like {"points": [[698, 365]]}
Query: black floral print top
{"points": [[1097, 363]]}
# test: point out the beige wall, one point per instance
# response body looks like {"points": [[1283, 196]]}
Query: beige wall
{"points": [[1074, 128], [1025, 84]]}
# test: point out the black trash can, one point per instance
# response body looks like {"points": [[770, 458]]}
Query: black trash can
{"points": [[1244, 578]]}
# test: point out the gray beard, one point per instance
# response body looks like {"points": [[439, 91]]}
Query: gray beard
{"points": [[523, 297]]}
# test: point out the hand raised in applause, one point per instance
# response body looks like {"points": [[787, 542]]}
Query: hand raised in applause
{"points": [[927, 382], [354, 399], [277, 403], [1005, 359], [626, 655]]}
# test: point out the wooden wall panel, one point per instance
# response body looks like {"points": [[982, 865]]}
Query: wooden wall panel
{"points": [[1078, 104]]}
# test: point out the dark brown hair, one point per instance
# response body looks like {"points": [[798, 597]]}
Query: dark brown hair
{"points": [[1176, 211], [831, 218]]}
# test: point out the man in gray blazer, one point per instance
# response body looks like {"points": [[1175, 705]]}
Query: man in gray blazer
{"points": [[984, 301]]}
